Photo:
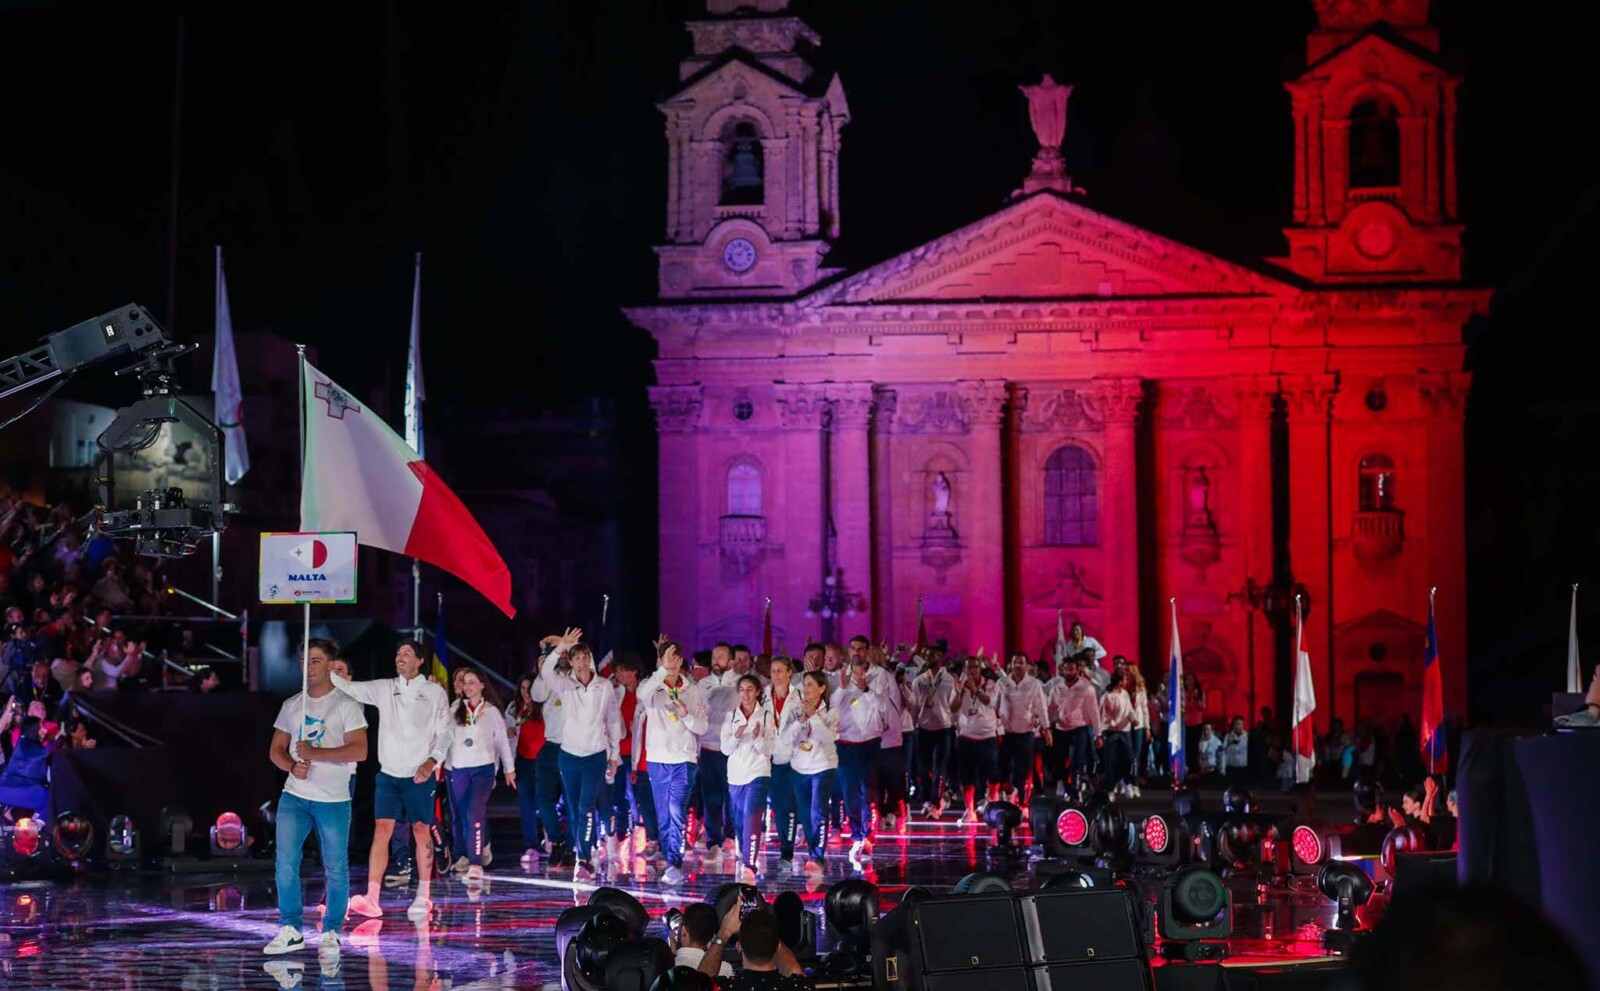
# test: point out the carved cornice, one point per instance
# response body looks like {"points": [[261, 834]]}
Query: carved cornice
{"points": [[1352, 15], [1309, 397], [852, 404], [678, 407], [1191, 406], [939, 411], [801, 406], [985, 402], [1118, 400], [1255, 396], [1445, 393]]}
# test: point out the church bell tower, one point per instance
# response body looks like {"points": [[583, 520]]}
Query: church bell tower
{"points": [[752, 157], [1375, 155]]}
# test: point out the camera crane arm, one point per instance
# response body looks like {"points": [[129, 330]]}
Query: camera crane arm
{"points": [[126, 330]]}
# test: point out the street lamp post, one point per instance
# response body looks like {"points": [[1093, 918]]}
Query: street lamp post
{"points": [[832, 602], [1276, 602]]}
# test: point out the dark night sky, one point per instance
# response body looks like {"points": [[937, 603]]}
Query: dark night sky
{"points": [[519, 148]]}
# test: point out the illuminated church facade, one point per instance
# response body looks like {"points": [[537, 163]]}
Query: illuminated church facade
{"points": [[1049, 410]]}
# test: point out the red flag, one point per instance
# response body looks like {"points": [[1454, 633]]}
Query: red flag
{"points": [[766, 630], [1432, 694]]}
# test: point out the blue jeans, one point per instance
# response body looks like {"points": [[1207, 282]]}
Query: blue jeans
{"points": [[857, 793], [1079, 747], [631, 803], [549, 792], [783, 816], [1016, 760], [1138, 757], [670, 785], [296, 818], [714, 795], [1117, 755], [750, 817], [528, 801], [811, 794], [469, 800], [584, 781]]}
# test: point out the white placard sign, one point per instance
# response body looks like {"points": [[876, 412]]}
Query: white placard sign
{"points": [[314, 568]]}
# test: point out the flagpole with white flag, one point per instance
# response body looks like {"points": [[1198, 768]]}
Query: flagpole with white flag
{"points": [[1574, 671], [228, 408], [1301, 731], [415, 394], [1175, 706], [1061, 642]]}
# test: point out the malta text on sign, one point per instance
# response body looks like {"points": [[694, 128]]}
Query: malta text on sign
{"points": [[319, 568]]}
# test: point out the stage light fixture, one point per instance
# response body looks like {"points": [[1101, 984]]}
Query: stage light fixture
{"points": [[1069, 878], [572, 920], [798, 928], [1164, 841], [1349, 887], [637, 964], [1196, 913], [73, 836], [1367, 795], [625, 907], [1004, 818], [1072, 827], [27, 838], [1399, 841], [851, 909], [1301, 848], [229, 838], [1112, 836], [982, 883], [122, 841], [1239, 845], [1237, 798], [177, 826], [583, 967]]}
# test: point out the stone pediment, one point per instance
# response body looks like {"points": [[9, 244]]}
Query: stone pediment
{"points": [[1045, 246]]}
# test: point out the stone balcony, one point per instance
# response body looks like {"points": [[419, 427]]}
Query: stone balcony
{"points": [[742, 544], [1378, 534], [742, 530]]}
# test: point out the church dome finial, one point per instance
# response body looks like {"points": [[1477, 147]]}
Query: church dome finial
{"points": [[1348, 15]]}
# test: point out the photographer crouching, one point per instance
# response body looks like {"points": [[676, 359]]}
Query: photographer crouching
{"points": [[768, 964]]}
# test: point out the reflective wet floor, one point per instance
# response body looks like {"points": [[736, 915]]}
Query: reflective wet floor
{"points": [[160, 930]]}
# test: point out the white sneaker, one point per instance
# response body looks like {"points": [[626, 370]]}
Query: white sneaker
{"points": [[488, 855], [365, 906], [855, 851], [474, 874], [288, 940], [419, 909], [968, 818], [584, 871], [672, 875], [797, 866], [329, 947], [288, 973], [813, 867], [749, 875], [530, 857], [460, 866], [1137, 791], [729, 845], [890, 821]]}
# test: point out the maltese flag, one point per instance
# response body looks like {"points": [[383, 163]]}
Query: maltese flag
{"points": [[1305, 703], [359, 475], [312, 554]]}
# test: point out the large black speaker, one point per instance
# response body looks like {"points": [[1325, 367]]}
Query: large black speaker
{"points": [[1085, 939]]}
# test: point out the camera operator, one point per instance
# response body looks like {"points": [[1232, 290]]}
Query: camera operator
{"points": [[696, 929], [768, 964]]}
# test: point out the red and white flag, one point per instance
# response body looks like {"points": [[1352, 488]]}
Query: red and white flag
{"points": [[359, 475], [1305, 703]]}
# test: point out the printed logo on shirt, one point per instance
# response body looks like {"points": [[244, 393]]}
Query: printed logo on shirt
{"points": [[315, 729]]}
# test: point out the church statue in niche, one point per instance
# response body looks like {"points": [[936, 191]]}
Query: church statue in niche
{"points": [[1200, 500], [1201, 545], [941, 549]]}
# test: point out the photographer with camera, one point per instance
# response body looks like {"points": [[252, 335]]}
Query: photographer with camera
{"points": [[768, 965], [697, 927]]}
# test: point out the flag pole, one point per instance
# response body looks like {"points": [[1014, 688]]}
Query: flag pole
{"points": [[305, 646], [1574, 668], [1433, 744]]}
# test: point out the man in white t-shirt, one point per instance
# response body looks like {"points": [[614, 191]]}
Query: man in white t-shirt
{"points": [[318, 738]]}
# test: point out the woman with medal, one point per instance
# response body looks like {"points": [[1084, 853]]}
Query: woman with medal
{"points": [[783, 697], [810, 728], [478, 744], [675, 718], [977, 708], [748, 733]]}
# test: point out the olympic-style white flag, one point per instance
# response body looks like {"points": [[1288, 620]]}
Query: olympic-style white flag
{"points": [[415, 392]]}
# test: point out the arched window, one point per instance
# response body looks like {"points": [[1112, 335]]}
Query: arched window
{"points": [[1070, 519], [1374, 144], [744, 490], [1377, 483], [743, 167]]}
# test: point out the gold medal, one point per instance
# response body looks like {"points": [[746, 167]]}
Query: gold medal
{"points": [[805, 745]]}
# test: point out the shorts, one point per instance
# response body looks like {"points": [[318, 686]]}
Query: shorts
{"points": [[402, 798]]}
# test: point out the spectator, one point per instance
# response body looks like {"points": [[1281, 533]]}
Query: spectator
{"points": [[117, 664], [204, 680], [768, 964], [1236, 753], [41, 687], [24, 783], [695, 932], [110, 591], [1210, 750]]}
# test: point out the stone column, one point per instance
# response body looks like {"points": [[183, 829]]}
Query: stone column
{"points": [[1117, 402], [1310, 399], [882, 593], [802, 410], [852, 496], [678, 411], [1255, 395], [980, 515], [1445, 398]]}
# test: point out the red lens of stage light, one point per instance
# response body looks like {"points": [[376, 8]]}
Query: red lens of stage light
{"points": [[1307, 845], [1156, 836], [25, 837], [1073, 827]]}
